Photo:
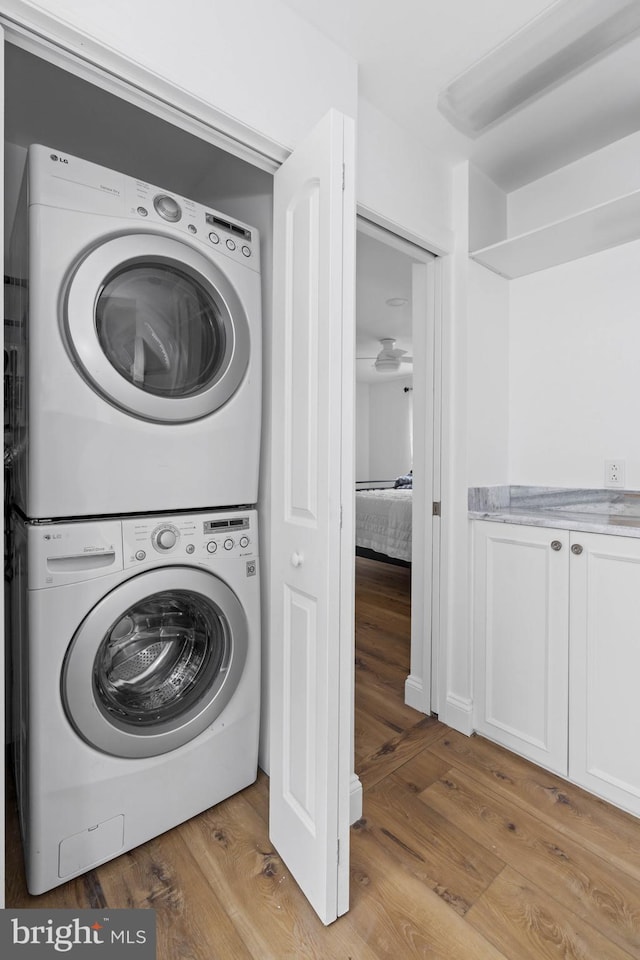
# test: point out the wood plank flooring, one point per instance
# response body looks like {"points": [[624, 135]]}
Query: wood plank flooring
{"points": [[464, 851]]}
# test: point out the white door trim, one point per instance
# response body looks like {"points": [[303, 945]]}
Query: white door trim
{"points": [[426, 445], [438, 241], [62, 44]]}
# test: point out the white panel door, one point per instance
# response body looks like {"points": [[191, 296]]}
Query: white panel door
{"points": [[521, 610], [604, 719], [311, 629]]}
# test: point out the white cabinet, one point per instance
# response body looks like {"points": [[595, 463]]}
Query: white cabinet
{"points": [[557, 652], [604, 725], [521, 620]]}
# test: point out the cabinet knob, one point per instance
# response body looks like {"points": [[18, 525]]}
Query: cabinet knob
{"points": [[297, 559], [556, 545], [577, 549]]}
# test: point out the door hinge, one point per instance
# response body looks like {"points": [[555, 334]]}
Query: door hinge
{"points": [[338, 849], [436, 508], [343, 175]]}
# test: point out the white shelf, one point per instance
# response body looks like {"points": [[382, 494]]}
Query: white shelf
{"points": [[599, 228]]}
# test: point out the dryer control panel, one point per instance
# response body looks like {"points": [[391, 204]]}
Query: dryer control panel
{"points": [[61, 180], [206, 538]]}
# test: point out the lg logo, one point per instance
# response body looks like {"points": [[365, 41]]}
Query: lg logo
{"points": [[54, 156]]}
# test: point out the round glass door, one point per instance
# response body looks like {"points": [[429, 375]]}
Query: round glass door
{"points": [[160, 329], [157, 328], [155, 662]]}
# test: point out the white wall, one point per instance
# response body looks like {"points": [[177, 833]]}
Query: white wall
{"points": [[14, 163], [601, 176], [383, 430], [400, 179], [455, 704], [257, 62], [362, 432], [487, 210], [389, 429], [574, 358], [488, 377]]}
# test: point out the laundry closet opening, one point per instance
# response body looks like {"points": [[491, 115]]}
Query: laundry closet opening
{"points": [[151, 494]]}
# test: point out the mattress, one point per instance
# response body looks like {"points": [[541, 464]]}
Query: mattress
{"points": [[383, 521]]}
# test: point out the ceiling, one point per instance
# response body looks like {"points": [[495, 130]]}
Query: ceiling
{"points": [[408, 50]]}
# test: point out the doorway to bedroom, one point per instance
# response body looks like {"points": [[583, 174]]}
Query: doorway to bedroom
{"points": [[397, 390]]}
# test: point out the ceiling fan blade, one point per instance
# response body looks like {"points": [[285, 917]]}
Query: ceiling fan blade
{"points": [[390, 357]]}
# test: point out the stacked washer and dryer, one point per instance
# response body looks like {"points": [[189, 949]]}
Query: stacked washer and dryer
{"points": [[136, 601]]}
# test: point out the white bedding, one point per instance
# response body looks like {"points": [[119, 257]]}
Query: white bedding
{"points": [[383, 521]]}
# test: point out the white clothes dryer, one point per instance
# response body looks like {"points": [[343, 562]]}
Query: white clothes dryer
{"points": [[143, 346], [136, 664]]}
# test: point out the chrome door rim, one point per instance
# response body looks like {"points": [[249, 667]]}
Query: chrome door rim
{"points": [[89, 717], [80, 297]]}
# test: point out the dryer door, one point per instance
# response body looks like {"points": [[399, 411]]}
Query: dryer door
{"points": [[156, 328], [155, 662]]}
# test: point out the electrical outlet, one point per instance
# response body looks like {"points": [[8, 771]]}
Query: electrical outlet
{"points": [[614, 473]]}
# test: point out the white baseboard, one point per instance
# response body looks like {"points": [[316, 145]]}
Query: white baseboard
{"points": [[414, 694], [355, 799], [458, 714]]}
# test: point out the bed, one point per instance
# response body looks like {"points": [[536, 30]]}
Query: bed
{"points": [[383, 522]]}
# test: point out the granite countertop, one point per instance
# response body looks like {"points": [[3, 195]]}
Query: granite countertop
{"points": [[594, 511]]}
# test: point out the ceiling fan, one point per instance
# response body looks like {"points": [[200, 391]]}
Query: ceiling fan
{"points": [[389, 358]]}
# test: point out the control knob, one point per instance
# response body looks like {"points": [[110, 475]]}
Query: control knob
{"points": [[165, 538], [167, 207]]}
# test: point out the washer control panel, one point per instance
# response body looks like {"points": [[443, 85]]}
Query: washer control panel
{"points": [[205, 537]]}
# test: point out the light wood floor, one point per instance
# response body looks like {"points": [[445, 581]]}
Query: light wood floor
{"points": [[464, 852]]}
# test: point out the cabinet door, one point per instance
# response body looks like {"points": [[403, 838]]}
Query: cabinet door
{"points": [[521, 606], [605, 668]]}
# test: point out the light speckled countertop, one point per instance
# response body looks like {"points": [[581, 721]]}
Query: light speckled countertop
{"points": [[594, 511]]}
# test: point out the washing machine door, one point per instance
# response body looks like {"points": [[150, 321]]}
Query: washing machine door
{"points": [[155, 662], [156, 327]]}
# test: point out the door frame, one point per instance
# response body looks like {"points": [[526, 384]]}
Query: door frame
{"points": [[421, 686]]}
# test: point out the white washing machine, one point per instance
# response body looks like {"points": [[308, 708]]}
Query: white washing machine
{"points": [[143, 346], [136, 678]]}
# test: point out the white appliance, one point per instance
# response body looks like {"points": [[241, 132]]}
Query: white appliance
{"points": [[136, 680], [143, 346]]}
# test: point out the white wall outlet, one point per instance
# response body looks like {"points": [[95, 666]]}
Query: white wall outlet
{"points": [[614, 473]]}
